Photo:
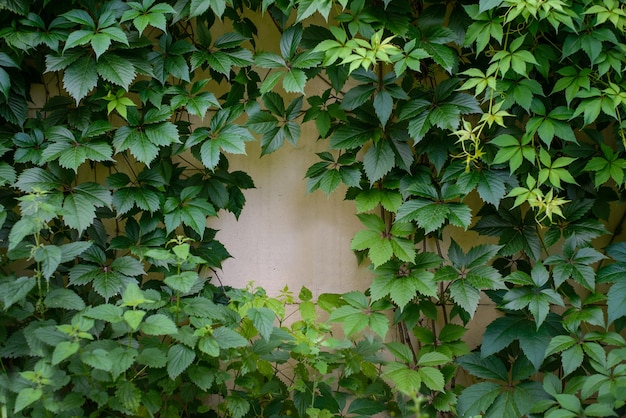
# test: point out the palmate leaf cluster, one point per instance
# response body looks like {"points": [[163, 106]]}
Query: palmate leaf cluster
{"points": [[482, 143]]}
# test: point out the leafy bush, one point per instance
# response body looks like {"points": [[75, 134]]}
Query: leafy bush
{"points": [[503, 117]]}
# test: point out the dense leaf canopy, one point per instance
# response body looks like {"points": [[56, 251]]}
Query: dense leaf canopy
{"points": [[501, 119]]}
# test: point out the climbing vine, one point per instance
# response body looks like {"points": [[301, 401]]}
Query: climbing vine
{"points": [[497, 120]]}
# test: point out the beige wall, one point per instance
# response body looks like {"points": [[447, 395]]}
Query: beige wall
{"points": [[284, 236]]}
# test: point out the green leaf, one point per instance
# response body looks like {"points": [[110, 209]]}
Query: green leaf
{"points": [[404, 379], [489, 367], [227, 338], [363, 406], [128, 395], [294, 81], [432, 378], [182, 282], [80, 77], [64, 299], [26, 397], [501, 333], [379, 247], [98, 359], [63, 350], [158, 324], [534, 343], [615, 301], [352, 136], [209, 346], [105, 312], [133, 318], [7, 174], [115, 69], [201, 376], [179, 358], [80, 205], [50, 257], [122, 359], [237, 406], [465, 295], [152, 357], [477, 398], [400, 351], [263, 320], [383, 106], [571, 359]]}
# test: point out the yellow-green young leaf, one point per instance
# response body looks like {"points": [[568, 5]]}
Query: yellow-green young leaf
{"points": [[133, 318]]}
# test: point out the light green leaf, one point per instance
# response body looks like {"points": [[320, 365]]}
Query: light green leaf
{"points": [[63, 350], [182, 282], [158, 324], [26, 397], [294, 81], [50, 258], [98, 359], [227, 338], [432, 378], [404, 379], [133, 318]]}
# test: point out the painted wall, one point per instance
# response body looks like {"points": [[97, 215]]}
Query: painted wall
{"points": [[285, 236]]}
